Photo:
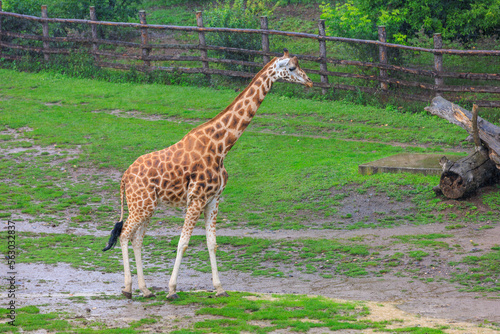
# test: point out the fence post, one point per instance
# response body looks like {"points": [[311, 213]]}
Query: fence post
{"points": [[93, 28], [144, 38], [265, 38], [201, 39], [322, 53], [1, 10], [45, 29], [382, 53], [438, 61]]}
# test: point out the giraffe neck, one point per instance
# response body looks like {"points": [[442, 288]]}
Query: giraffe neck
{"points": [[230, 124]]}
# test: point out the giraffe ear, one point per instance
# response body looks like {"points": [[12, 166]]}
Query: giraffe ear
{"points": [[283, 62]]}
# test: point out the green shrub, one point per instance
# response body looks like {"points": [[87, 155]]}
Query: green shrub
{"points": [[239, 14], [349, 20], [107, 10], [456, 20]]}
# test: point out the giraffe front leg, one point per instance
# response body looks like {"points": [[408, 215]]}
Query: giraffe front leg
{"points": [[137, 245], [192, 215], [210, 219]]}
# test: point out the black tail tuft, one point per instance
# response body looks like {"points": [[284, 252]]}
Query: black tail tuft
{"points": [[115, 233]]}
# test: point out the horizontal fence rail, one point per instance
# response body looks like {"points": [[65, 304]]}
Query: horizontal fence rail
{"points": [[391, 78]]}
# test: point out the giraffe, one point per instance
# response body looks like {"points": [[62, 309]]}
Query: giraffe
{"points": [[191, 174]]}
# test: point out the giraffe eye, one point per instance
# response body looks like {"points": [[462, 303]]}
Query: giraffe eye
{"points": [[292, 68]]}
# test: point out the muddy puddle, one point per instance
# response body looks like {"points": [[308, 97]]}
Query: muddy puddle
{"points": [[464, 237], [91, 295]]}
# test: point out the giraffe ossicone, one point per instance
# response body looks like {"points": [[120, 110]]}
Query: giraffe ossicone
{"points": [[191, 174]]}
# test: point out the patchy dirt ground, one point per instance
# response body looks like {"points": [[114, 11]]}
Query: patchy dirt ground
{"points": [[53, 286]]}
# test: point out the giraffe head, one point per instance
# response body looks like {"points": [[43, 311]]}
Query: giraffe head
{"points": [[289, 70]]}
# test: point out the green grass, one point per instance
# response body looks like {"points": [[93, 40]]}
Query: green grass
{"points": [[282, 141], [277, 312], [241, 312], [493, 199], [292, 169], [425, 240], [482, 273], [30, 318], [259, 257], [418, 254]]}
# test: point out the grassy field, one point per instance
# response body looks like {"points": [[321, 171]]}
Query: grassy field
{"points": [[297, 16], [66, 141], [289, 141]]}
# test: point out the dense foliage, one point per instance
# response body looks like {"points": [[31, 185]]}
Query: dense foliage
{"points": [[106, 10], [456, 20], [237, 14]]}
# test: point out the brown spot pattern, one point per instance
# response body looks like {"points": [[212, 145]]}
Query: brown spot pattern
{"points": [[190, 172]]}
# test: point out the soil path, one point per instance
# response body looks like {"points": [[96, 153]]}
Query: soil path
{"points": [[422, 303], [53, 285]]}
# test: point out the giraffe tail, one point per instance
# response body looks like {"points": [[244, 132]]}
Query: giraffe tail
{"points": [[122, 195], [115, 233], [117, 230]]}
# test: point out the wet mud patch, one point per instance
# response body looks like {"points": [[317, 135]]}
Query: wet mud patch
{"points": [[474, 204], [391, 311], [370, 207], [91, 296], [400, 265]]}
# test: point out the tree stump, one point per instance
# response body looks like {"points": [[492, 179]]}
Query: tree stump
{"points": [[464, 177]]}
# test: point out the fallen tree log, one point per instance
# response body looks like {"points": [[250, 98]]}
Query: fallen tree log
{"points": [[464, 177], [488, 133]]}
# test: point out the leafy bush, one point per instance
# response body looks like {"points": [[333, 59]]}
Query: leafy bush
{"points": [[456, 20], [107, 10], [349, 20], [240, 14]]}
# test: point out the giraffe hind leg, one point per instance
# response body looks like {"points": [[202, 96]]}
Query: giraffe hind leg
{"points": [[115, 234], [135, 225], [210, 218], [127, 291], [130, 228], [137, 245]]}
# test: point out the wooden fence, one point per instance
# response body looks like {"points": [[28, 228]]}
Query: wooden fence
{"points": [[392, 79]]}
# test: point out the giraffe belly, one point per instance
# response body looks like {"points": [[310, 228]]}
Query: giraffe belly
{"points": [[173, 193], [173, 202]]}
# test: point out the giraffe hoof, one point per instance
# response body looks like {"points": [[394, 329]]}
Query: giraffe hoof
{"points": [[127, 294], [221, 294], [151, 295], [173, 296]]}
